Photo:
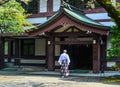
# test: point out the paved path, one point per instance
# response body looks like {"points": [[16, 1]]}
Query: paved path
{"points": [[33, 72], [40, 80], [106, 74]]}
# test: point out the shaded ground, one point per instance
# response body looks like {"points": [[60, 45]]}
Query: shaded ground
{"points": [[52, 81]]}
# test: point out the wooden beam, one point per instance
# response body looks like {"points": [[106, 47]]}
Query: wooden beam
{"points": [[70, 34], [73, 42]]}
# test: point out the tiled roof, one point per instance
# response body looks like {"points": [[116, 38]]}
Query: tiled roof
{"points": [[73, 14]]}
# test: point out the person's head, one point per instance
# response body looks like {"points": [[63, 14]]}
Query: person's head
{"points": [[64, 51]]}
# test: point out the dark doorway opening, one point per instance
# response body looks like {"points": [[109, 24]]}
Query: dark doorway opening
{"points": [[80, 56]]}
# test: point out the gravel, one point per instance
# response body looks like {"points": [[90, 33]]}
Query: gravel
{"points": [[52, 81]]}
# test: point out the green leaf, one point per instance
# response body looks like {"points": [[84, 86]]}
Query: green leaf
{"points": [[12, 18]]}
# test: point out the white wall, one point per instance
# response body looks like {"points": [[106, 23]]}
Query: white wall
{"points": [[98, 16], [32, 61], [43, 6], [40, 47], [6, 48], [108, 23], [56, 5], [57, 50], [37, 20], [110, 64]]}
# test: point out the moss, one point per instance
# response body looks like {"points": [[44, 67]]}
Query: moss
{"points": [[112, 79]]}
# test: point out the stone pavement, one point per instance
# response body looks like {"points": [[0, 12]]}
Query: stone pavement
{"points": [[57, 73], [53, 79], [106, 74]]}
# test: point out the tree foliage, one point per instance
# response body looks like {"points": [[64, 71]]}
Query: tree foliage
{"points": [[5, 1], [113, 10], [12, 18], [114, 51]]}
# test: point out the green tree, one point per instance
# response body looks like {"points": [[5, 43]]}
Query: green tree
{"points": [[12, 22], [12, 18], [5, 1], [113, 9], [114, 51], [111, 6]]}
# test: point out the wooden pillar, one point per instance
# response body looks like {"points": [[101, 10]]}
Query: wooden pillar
{"points": [[104, 52], [49, 6], [38, 6], [96, 58], [50, 59], [17, 52], [1, 53]]}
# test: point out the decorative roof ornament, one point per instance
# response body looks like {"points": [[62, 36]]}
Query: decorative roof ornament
{"points": [[91, 4], [74, 17], [65, 4]]}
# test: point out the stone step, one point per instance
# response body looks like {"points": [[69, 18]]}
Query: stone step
{"points": [[32, 68]]}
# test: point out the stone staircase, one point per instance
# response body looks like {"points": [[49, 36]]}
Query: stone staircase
{"points": [[31, 68], [11, 67]]}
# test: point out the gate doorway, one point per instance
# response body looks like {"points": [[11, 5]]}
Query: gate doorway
{"points": [[80, 56]]}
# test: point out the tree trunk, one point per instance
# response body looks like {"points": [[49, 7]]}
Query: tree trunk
{"points": [[112, 11]]}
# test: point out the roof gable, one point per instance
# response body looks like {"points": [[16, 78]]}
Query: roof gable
{"points": [[66, 17]]}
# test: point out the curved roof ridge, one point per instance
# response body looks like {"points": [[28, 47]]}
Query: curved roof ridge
{"points": [[79, 17]]}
